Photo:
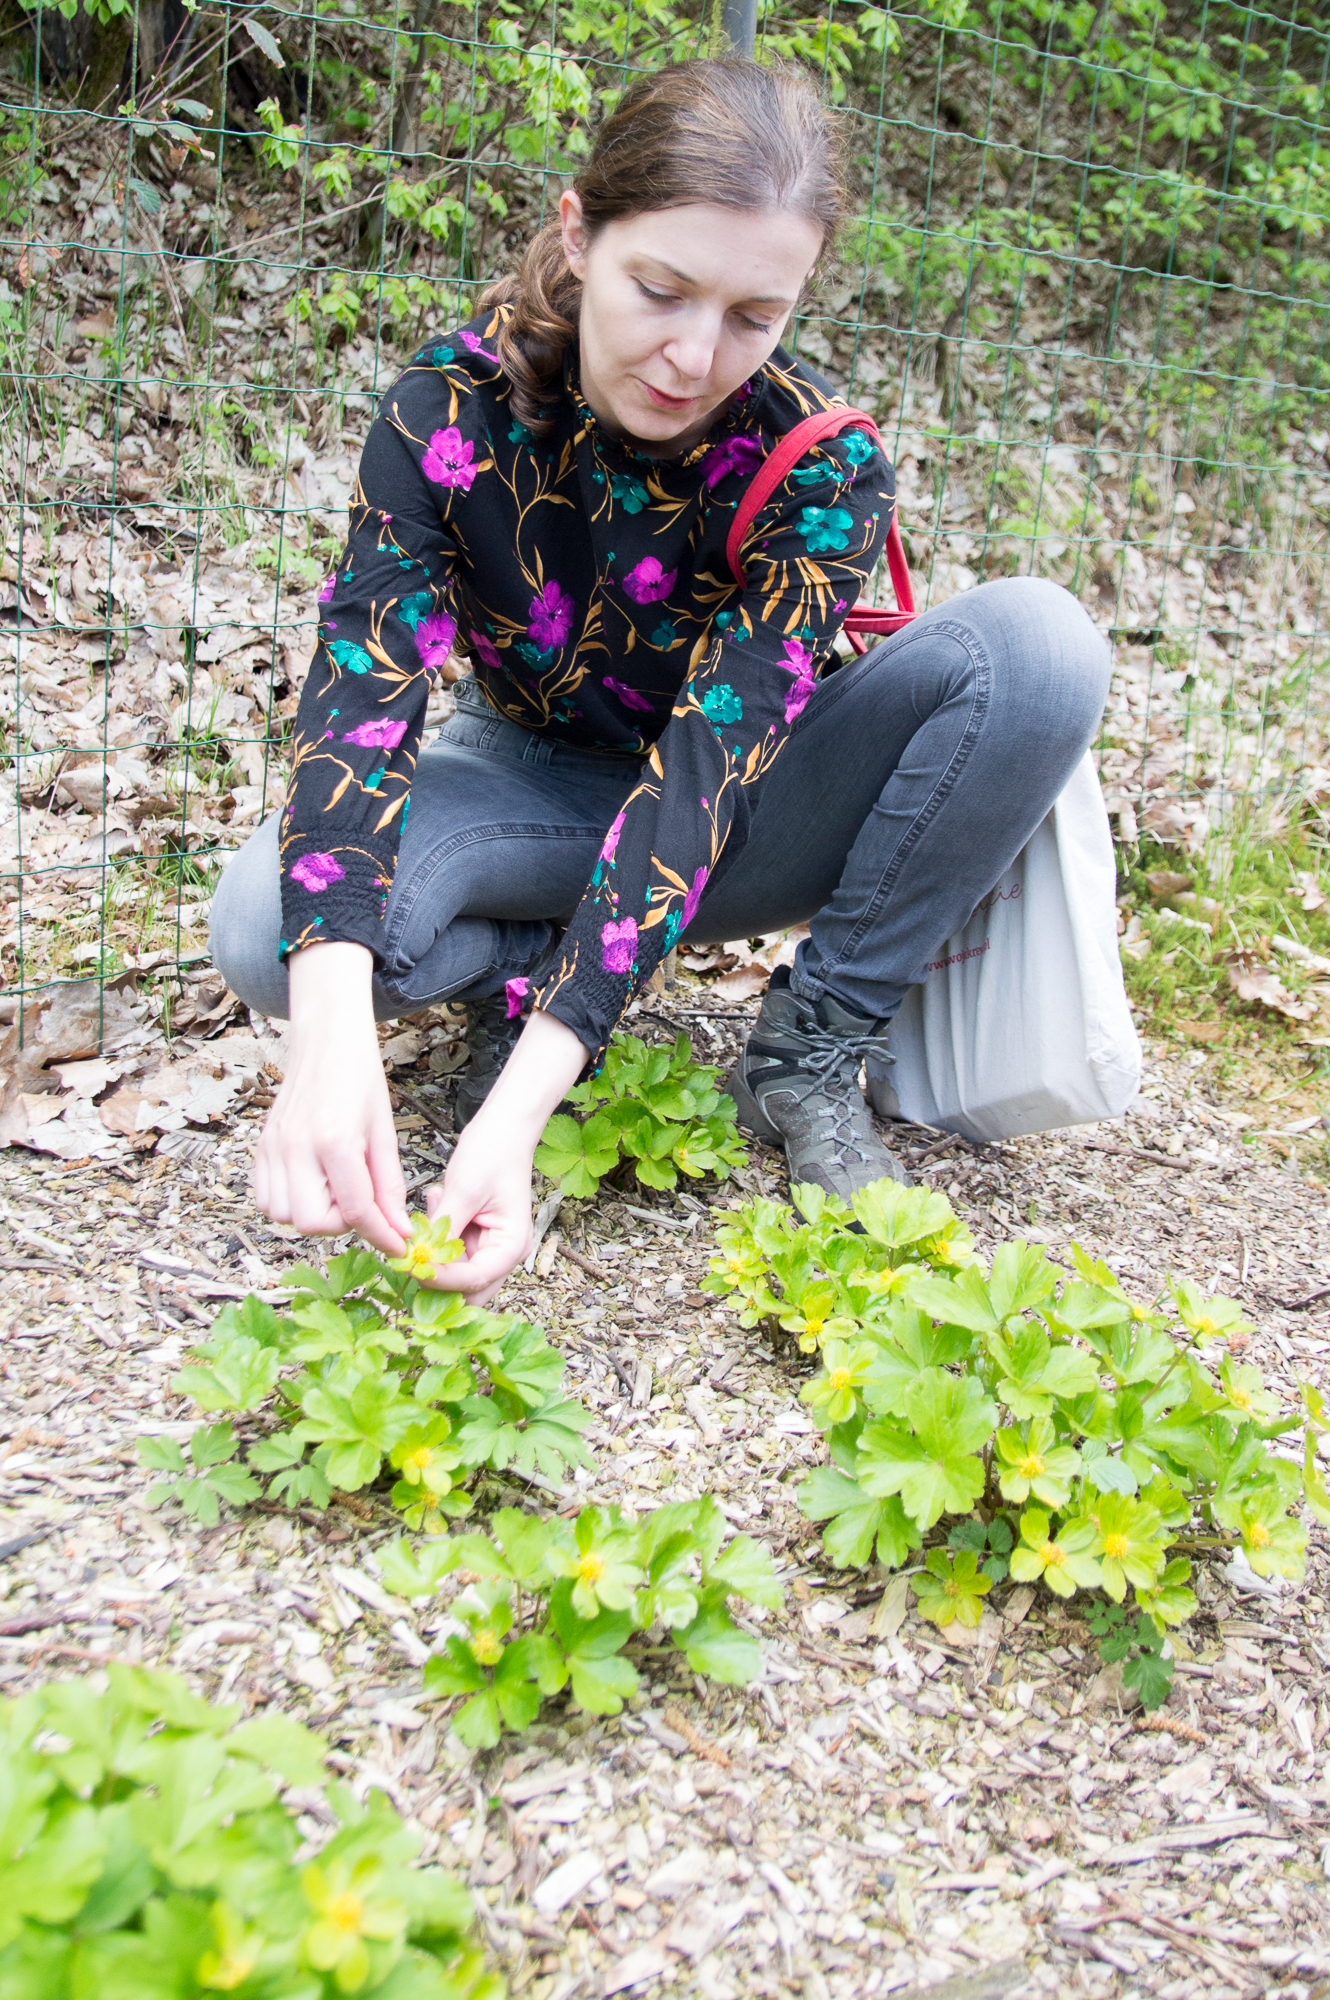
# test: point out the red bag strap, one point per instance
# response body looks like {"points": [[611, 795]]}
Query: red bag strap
{"points": [[773, 469]]}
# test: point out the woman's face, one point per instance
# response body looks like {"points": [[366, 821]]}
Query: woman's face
{"points": [[679, 307]]}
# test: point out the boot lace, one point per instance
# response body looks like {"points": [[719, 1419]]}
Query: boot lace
{"points": [[829, 1051]]}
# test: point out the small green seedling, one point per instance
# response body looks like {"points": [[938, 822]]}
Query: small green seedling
{"points": [[655, 1108], [1138, 1642]]}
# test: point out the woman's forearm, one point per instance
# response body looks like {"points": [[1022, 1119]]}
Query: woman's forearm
{"points": [[328, 976], [536, 1078]]}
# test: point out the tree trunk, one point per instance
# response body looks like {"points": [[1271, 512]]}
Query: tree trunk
{"points": [[106, 64]]}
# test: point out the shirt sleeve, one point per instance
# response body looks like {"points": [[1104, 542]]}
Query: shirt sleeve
{"points": [[386, 625], [807, 557]]}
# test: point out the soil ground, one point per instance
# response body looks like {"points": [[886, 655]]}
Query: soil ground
{"points": [[889, 1809]]}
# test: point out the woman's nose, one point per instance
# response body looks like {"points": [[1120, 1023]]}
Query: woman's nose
{"points": [[691, 354]]}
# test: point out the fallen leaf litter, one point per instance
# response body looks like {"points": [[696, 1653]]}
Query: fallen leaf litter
{"points": [[892, 1807]]}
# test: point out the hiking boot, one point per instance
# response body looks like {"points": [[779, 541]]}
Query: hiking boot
{"points": [[491, 1038], [797, 1085]]}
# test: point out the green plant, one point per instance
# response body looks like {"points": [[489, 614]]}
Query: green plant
{"points": [[1079, 1436], [371, 1369], [553, 1604], [144, 1851], [200, 1481], [654, 1107], [1139, 1642]]}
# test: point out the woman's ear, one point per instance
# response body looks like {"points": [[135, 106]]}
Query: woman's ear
{"points": [[572, 227]]}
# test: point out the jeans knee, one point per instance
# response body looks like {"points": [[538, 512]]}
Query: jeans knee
{"points": [[245, 927], [1049, 643]]}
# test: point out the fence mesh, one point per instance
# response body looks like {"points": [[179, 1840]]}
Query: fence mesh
{"points": [[1085, 291]]}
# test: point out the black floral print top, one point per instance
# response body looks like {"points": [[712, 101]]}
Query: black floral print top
{"points": [[589, 584]]}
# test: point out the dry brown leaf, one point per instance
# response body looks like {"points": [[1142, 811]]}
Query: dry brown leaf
{"points": [[1264, 988], [1313, 895], [743, 982], [120, 1111]]}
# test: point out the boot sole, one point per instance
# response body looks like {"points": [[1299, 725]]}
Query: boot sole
{"points": [[751, 1115]]}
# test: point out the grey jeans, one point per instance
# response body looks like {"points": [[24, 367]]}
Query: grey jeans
{"points": [[909, 783]]}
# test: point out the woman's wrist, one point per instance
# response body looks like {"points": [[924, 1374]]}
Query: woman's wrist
{"points": [[335, 974]]}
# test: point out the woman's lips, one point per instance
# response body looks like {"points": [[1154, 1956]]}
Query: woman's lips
{"points": [[664, 402]]}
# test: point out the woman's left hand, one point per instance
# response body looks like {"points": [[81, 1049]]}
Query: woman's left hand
{"points": [[486, 1192]]}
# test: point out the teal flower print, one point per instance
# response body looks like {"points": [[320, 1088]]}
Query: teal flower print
{"points": [[412, 609], [441, 356], [519, 434], [859, 447], [347, 654], [825, 529], [720, 704], [812, 475], [631, 494], [664, 634]]}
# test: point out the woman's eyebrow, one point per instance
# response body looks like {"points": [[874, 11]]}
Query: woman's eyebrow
{"points": [[755, 298]]}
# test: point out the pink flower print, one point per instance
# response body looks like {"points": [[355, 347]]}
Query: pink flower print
{"points": [[551, 617], [516, 990], [447, 459], [618, 945], [607, 852], [472, 343], [434, 638], [798, 663], [628, 696], [485, 650], [648, 582], [317, 872], [327, 587], [384, 735], [694, 897], [736, 454]]}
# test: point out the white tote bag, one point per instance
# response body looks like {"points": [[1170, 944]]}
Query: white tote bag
{"points": [[1022, 1023]]}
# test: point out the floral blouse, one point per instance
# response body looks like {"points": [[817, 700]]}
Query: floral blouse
{"points": [[589, 585]]}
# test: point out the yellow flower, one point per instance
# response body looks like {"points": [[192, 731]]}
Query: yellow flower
{"points": [[1116, 1546], [238, 1952], [1259, 1535], [346, 1915], [486, 1646], [841, 1379], [1030, 1467], [416, 1461], [591, 1568]]}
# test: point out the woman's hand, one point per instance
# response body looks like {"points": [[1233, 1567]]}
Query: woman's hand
{"points": [[328, 1160], [486, 1191]]}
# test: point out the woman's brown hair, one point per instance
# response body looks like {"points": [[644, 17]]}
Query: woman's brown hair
{"points": [[729, 131]]}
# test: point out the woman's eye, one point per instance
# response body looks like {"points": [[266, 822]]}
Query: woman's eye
{"points": [[657, 298], [756, 325]]}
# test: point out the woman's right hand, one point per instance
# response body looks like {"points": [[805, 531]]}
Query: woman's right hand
{"points": [[327, 1160]]}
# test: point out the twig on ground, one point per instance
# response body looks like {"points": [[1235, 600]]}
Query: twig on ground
{"points": [[674, 1718], [426, 1111], [1082, 1939], [584, 1263], [25, 1540], [1296, 1305]]}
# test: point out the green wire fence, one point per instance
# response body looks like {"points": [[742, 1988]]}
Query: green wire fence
{"points": [[1086, 291]]}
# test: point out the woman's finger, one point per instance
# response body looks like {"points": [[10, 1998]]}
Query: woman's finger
{"points": [[352, 1191], [386, 1177], [315, 1210]]}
